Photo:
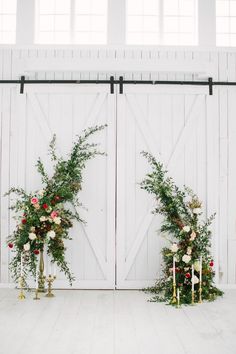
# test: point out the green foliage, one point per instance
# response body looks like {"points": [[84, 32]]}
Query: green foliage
{"points": [[181, 211], [43, 218]]}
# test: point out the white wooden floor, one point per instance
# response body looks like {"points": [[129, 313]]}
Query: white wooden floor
{"points": [[114, 322]]}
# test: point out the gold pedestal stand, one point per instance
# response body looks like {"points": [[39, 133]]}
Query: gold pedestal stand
{"points": [[50, 280], [174, 300], [192, 302], [41, 286], [36, 296], [21, 295], [200, 293]]}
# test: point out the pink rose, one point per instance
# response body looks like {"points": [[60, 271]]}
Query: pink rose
{"points": [[54, 214], [34, 200]]}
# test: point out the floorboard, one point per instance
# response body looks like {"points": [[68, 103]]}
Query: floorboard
{"points": [[114, 322]]}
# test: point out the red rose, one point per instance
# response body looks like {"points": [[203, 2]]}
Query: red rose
{"points": [[10, 245], [36, 252], [187, 275], [24, 221], [45, 206], [211, 264]]}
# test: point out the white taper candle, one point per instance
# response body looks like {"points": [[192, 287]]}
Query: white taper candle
{"points": [[200, 272], [192, 277], [21, 265], [174, 280]]}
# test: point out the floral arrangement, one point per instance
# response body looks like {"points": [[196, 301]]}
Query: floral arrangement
{"points": [[189, 239], [44, 217]]}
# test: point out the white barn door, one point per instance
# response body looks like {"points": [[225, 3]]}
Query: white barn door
{"points": [[179, 126], [66, 111]]}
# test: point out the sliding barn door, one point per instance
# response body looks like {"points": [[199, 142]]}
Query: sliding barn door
{"points": [[179, 127], [66, 111]]}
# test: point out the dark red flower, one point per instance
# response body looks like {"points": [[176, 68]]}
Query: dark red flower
{"points": [[53, 202], [10, 245], [24, 221], [211, 264], [57, 198], [36, 252], [45, 206], [187, 275]]}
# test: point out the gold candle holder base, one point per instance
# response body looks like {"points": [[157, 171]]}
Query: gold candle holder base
{"points": [[36, 297], [21, 295], [200, 293], [174, 299], [50, 280], [192, 302]]}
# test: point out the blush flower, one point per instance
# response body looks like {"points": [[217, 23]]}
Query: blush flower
{"points": [[54, 214], [34, 200]]}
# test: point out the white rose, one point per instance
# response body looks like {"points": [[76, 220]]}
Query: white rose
{"points": [[195, 280], [41, 192], [197, 266], [193, 236], [197, 211], [57, 220], [27, 246], [51, 234], [186, 228], [174, 248], [186, 258], [32, 236], [32, 229], [189, 250], [43, 218]]}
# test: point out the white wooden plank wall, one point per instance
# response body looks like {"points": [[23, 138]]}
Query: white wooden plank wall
{"points": [[134, 63]]}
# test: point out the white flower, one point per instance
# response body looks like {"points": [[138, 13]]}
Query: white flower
{"points": [[189, 250], [193, 236], [43, 218], [51, 234], [32, 229], [32, 236], [186, 258], [186, 228], [174, 248], [197, 266], [27, 246], [197, 211], [41, 192], [195, 280], [57, 220]]}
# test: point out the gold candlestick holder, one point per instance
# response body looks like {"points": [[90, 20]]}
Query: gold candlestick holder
{"points": [[41, 278], [21, 295], [200, 293], [192, 302], [174, 294], [50, 280], [36, 294]]}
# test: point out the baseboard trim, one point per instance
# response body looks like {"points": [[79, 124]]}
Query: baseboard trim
{"points": [[12, 286]]}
